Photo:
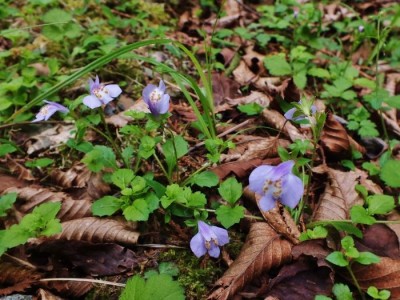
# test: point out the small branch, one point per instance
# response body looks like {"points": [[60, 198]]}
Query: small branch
{"points": [[85, 280]]}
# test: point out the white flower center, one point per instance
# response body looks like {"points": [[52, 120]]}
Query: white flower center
{"points": [[155, 96], [100, 92], [44, 110], [273, 187]]}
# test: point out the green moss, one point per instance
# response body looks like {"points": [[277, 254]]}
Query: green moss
{"points": [[194, 276]]}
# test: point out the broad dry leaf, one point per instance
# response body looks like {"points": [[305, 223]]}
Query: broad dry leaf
{"points": [[260, 98], [339, 195], [97, 230], [8, 181], [51, 138], [69, 289], [18, 169], [79, 176], [264, 148], [46, 295], [244, 76], [32, 196], [383, 275], [264, 249], [278, 121], [334, 138], [16, 278]]}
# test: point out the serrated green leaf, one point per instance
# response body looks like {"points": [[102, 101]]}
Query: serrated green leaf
{"points": [[173, 149], [205, 179], [360, 215], [56, 15], [231, 190], [277, 65], [106, 206], [134, 288], [138, 211], [319, 72], [229, 216], [367, 258], [342, 292], [100, 157], [380, 204], [6, 202], [337, 258], [122, 178], [7, 148], [300, 79], [251, 109], [364, 82], [390, 173], [347, 227]]}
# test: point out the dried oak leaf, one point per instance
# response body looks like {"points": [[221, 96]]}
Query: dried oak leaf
{"points": [[16, 278], [32, 196], [339, 195], [263, 250], [79, 176], [97, 230], [382, 275], [84, 257]]}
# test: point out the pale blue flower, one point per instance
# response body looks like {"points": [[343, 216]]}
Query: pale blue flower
{"points": [[101, 94], [156, 98], [48, 110], [276, 184], [208, 239], [294, 114]]}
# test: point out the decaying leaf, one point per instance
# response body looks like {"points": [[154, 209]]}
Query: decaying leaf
{"points": [[97, 230], [264, 249], [84, 257], [79, 176], [51, 138], [18, 169], [46, 295], [8, 181], [223, 87], [334, 138], [16, 278], [339, 195], [244, 76], [32, 196], [70, 289], [278, 121], [263, 148], [255, 97]]}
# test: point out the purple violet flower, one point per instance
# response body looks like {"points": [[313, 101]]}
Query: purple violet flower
{"points": [[276, 183], [101, 94], [208, 239], [294, 114], [156, 98], [360, 28], [48, 110]]}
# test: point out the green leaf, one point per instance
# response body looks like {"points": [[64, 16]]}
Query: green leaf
{"points": [[122, 178], [41, 162], [380, 204], [251, 109], [6, 202], [342, 292], [347, 227], [277, 65], [360, 215], [138, 211], [106, 206], [205, 179], [364, 82], [146, 148], [390, 173], [231, 190], [300, 79], [6, 149], [337, 258], [177, 144], [367, 258], [319, 72], [56, 15], [376, 294], [228, 216], [134, 288], [99, 158], [372, 168], [168, 268], [322, 297], [317, 232], [393, 101], [47, 211], [196, 200]]}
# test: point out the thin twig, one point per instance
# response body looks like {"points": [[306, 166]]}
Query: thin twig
{"points": [[85, 280]]}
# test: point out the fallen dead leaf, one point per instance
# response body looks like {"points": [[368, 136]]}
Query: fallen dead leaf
{"points": [[18, 169], [339, 195], [16, 278], [263, 250]]}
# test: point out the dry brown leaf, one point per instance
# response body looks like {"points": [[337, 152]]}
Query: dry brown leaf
{"points": [[382, 275], [33, 196], [264, 249], [334, 138], [8, 181], [339, 195], [50, 138], [278, 121], [255, 97], [97, 230], [46, 295], [79, 176], [16, 278], [18, 169], [69, 289], [254, 60], [223, 87]]}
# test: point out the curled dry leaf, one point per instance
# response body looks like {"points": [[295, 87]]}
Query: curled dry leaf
{"points": [[18, 169], [46, 295], [334, 138], [8, 181], [255, 97], [223, 87], [70, 289], [97, 231], [263, 250], [339, 195], [79, 176], [33, 196], [244, 76], [16, 278], [50, 138], [264, 148], [278, 121]]}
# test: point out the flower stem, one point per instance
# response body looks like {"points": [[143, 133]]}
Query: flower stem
{"points": [[162, 168], [353, 277]]}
